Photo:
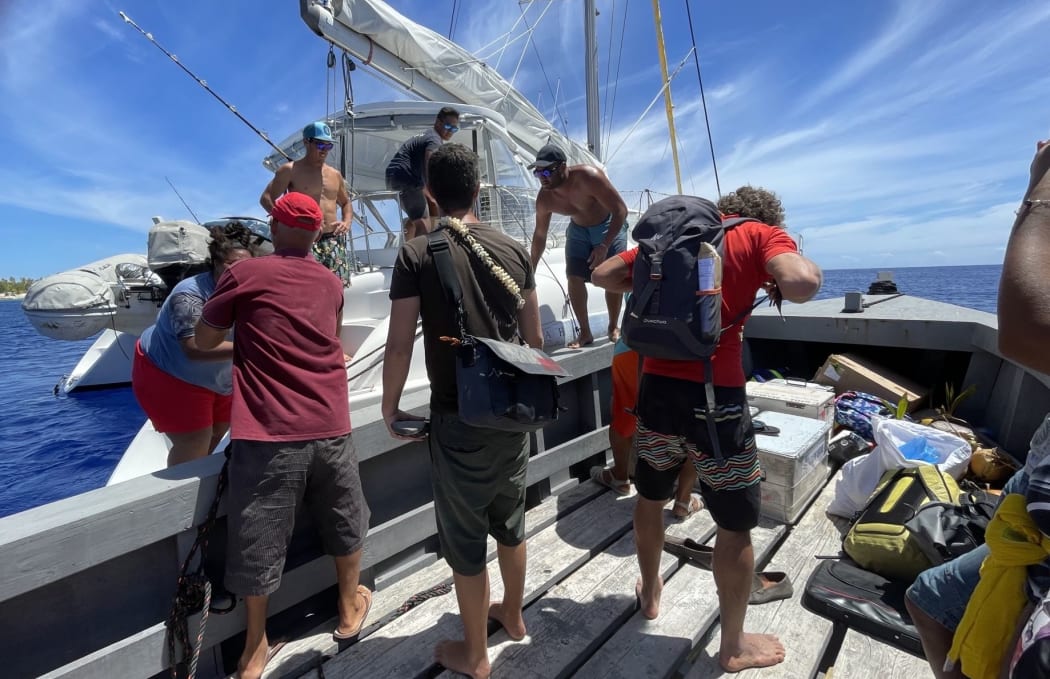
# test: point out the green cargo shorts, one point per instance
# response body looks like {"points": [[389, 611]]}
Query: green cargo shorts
{"points": [[479, 489]]}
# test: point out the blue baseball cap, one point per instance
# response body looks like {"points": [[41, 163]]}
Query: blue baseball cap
{"points": [[319, 131]]}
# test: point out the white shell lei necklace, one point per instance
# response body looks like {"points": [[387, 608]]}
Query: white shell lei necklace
{"points": [[501, 275]]}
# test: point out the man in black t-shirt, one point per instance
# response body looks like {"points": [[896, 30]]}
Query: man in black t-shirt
{"points": [[407, 172], [478, 474]]}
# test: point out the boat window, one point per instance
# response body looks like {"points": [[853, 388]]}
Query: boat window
{"points": [[508, 171]]}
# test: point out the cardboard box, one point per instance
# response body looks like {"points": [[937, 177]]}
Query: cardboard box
{"points": [[846, 372]]}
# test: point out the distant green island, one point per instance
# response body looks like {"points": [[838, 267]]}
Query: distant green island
{"points": [[15, 286]]}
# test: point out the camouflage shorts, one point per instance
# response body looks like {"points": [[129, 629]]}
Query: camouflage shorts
{"points": [[331, 251]]}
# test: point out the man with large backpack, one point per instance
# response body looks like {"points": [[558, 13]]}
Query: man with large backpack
{"points": [[694, 281]]}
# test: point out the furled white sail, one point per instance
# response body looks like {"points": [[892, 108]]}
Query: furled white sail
{"points": [[432, 67]]}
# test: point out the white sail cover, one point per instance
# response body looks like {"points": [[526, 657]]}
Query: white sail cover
{"points": [[432, 67]]}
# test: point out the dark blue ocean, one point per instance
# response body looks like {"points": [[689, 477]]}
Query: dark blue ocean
{"points": [[52, 447]]}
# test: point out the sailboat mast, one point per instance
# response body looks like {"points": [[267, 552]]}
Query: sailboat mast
{"points": [[661, 49], [594, 129]]}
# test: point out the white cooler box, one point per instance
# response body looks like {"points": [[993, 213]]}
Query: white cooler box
{"points": [[793, 463], [793, 397]]}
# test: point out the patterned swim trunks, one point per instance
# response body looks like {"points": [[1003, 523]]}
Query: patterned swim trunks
{"points": [[330, 250]]}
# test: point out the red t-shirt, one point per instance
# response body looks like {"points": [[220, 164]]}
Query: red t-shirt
{"points": [[289, 379], [745, 251]]}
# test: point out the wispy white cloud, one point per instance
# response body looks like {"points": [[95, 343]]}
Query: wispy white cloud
{"points": [[911, 21], [908, 133]]}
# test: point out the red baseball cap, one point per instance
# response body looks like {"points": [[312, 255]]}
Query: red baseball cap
{"points": [[298, 211]]}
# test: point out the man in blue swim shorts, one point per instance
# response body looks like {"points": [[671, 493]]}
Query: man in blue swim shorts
{"points": [[597, 231]]}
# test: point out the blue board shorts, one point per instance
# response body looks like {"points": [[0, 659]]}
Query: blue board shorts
{"points": [[942, 592], [581, 240]]}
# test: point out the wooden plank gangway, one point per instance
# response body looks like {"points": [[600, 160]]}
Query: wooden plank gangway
{"points": [[582, 616]]}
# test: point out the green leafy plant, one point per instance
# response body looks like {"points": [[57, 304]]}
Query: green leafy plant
{"points": [[953, 399], [902, 408]]}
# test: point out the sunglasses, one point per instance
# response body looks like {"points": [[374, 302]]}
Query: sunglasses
{"points": [[451, 128], [322, 145], [546, 172]]}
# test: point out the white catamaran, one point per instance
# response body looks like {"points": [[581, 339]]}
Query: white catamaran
{"points": [[503, 127]]}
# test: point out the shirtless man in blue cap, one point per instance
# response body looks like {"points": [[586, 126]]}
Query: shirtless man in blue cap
{"points": [[325, 184], [598, 229]]}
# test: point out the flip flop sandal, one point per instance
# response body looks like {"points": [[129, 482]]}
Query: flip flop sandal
{"points": [[271, 653], [691, 507], [367, 596], [761, 427], [780, 589], [604, 476]]}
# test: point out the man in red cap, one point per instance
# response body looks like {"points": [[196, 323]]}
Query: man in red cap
{"points": [[290, 422]]}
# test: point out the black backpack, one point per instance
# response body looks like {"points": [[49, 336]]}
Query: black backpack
{"points": [[667, 316]]}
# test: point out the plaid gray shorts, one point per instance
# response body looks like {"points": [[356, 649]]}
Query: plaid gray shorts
{"points": [[269, 481]]}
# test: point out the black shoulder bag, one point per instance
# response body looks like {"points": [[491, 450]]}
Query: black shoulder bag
{"points": [[945, 531], [501, 385]]}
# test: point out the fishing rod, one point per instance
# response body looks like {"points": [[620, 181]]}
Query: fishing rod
{"points": [[185, 204], [232, 109]]}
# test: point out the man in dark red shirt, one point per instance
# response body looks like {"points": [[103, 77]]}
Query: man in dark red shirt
{"points": [[290, 422], [671, 434]]}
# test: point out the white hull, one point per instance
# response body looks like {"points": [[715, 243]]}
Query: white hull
{"points": [[366, 309], [106, 364]]}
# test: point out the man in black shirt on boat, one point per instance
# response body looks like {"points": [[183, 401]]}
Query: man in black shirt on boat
{"points": [[407, 172]]}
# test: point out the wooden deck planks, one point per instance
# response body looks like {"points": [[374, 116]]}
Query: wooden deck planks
{"points": [[300, 655], [803, 634], [644, 649], [404, 647], [862, 657], [574, 618]]}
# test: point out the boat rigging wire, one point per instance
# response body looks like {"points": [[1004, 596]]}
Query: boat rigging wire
{"points": [[184, 203], [703, 99], [648, 108], [454, 19], [611, 106], [232, 109], [539, 58]]}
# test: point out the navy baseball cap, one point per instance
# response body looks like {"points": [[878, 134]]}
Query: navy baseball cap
{"points": [[548, 155]]}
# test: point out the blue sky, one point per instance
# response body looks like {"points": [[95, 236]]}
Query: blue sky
{"points": [[897, 133]]}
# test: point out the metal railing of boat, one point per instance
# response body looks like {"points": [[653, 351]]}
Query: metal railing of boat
{"points": [[511, 208], [87, 581]]}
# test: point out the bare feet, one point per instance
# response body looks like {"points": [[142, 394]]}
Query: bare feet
{"points": [[756, 650], [649, 601], [453, 656], [614, 333], [585, 339], [511, 621]]}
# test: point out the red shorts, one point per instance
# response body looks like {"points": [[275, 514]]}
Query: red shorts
{"points": [[173, 405], [624, 393]]}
